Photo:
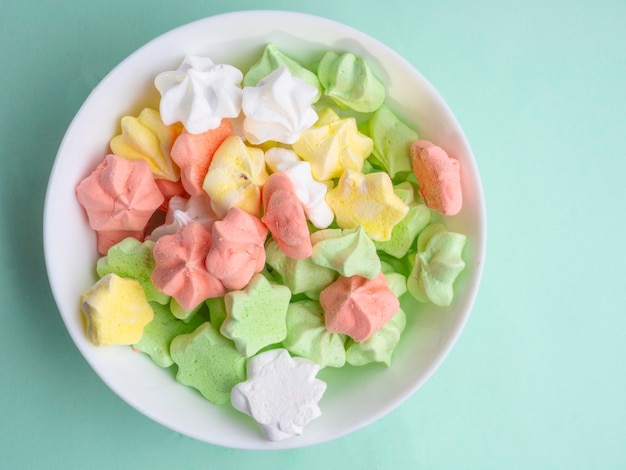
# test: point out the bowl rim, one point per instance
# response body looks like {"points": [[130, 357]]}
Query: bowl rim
{"points": [[472, 168]]}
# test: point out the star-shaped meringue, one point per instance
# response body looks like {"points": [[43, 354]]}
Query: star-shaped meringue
{"points": [[199, 94], [278, 108], [367, 200], [180, 269], [333, 145], [146, 137], [208, 362], [255, 316], [281, 393]]}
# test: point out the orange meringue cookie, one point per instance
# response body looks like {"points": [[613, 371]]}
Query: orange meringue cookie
{"points": [[357, 306], [193, 154], [120, 194], [285, 218], [237, 251], [180, 269], [439, 177]]}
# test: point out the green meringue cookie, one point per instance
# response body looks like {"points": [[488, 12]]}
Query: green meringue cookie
{"points": [[159, 333], [255, 316], [380, 346], [308, 337], [392, 142], [217, 311], [438, 263], [396, 281], [208, 362], [299, 275], [181, 313], [404, 232], [133, 259], [272, 59], [350, 252], [349, 81]]}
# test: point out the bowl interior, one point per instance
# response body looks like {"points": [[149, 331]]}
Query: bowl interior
{"points": [[355, 396]]}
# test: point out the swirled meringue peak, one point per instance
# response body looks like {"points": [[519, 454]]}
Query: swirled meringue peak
{"points": [[199, 94], [278, 108], [438, 263], [312, 193], [273, 58]]}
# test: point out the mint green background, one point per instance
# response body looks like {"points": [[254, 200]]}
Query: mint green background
{"points": [[538, 377]]}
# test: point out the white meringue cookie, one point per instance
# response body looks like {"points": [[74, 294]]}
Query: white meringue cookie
{"points": [[281, 393], [182, 212], [199, 94], [310, 192], [278, 108]]}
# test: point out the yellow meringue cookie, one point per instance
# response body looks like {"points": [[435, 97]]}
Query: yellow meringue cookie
{"points": [[145, 137], [333, 145], [116, 310], [369, 201], [235, 177]]}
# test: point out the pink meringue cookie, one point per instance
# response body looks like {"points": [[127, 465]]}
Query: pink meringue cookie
{"points": [[357, 306], [180, 269], [439, 177], [311, 193], [237, 251], [193, 154], [119, 195], [284, 217]]}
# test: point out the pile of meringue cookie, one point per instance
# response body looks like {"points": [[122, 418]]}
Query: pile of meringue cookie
{"points": [[257, 228]]}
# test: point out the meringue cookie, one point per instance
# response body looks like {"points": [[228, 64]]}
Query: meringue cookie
{"points": [[116, 311], [182, 212], [180, 269], [284, 217], [281, 393], [146, 137], [208, 362], [159, 333], [380, 346], [272, 59], [367, 200], [392, 141], [301, 276], [255, 316], [404, 232], [199, 94], [439, 177], [357, 306], [333, 145], [235, 177], [120, 194], [349, 81], [278, 108], [350, 252], [237, 251], [133, 259], [308, 337], [312, 193], [193, 154], [438, 263]]}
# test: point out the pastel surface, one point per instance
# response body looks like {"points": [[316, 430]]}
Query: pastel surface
{"points": [[208, 362], [116, 311]]}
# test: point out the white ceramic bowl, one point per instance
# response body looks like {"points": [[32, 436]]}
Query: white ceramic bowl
{"points": [[355, 397]]}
